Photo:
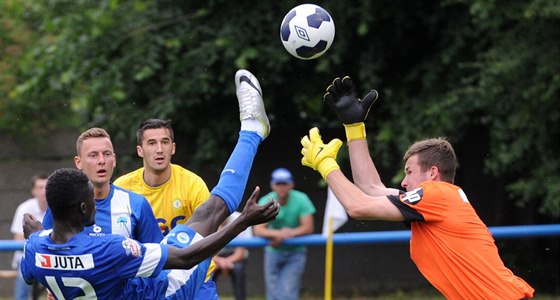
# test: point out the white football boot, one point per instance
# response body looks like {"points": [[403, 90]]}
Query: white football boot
{"points": [[251, 107]]}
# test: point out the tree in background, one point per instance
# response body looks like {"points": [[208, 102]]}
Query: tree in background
{"points": [[454, 68]]}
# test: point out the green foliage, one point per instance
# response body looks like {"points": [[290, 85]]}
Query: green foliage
{"points": [[516, 89], [442, 68]]}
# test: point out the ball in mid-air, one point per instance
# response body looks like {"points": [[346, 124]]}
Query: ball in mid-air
{"points": [[307, 31]]}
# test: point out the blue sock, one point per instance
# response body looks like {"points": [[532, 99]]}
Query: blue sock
{"points": [[233, 179]]}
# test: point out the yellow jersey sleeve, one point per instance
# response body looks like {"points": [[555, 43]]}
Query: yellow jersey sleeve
{"points": [[174, 201]]}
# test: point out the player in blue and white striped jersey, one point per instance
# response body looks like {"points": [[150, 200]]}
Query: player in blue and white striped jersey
{"points": [[75, 265], [118, 211], [72, 263]]}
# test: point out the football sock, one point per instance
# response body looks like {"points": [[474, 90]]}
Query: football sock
{"points": [[233, 179], [252, 125]]}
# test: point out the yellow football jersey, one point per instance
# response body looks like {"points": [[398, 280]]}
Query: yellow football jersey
{"points": [[172, 202]]}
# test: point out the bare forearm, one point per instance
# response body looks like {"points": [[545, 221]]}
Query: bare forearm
{"points": [[364, 173], [238, 255], [187, 258], [208, 216], [263, 231], [346, 193], [253, 214], [306, 226], [358, 204]]}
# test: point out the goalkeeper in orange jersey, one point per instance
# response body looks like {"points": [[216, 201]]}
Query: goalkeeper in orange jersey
{"points": [[449, 243]]}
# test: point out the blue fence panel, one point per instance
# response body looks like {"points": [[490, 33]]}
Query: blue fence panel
{"points": [[373, 237]]}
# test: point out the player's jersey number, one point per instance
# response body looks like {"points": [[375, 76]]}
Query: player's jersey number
{"points": [[86, 287], [163, 224]]}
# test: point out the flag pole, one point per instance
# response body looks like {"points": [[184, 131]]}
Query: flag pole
{"points": [[328, 261]]}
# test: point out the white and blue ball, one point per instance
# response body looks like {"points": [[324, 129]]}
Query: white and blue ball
{"points": [[307, 31]]}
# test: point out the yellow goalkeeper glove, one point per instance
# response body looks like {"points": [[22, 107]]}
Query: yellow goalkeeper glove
{"points": [[317, 155]]}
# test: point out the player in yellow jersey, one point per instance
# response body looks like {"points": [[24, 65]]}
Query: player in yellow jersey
{"points": [[172, 191], [101, 279]]}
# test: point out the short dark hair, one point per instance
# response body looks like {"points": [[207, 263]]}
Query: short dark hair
{"points": [[66, 189], [153, 124], [435, 152], [36, 177]]}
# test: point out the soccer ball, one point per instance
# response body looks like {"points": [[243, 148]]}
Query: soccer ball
{"points": [[307, 31]]}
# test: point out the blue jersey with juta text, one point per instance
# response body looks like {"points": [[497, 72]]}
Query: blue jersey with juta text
{"points": [[93, 267]]}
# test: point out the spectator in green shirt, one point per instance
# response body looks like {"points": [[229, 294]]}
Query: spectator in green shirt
{"points": [[284, 265]]}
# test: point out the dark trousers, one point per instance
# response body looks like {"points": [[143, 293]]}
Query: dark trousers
{"points": [[237, 275]]}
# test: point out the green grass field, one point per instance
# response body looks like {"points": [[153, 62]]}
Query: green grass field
{"points": [[418, 295]]}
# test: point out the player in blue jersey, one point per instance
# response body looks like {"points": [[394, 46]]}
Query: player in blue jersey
{"points": [[119, 211], [72, 263]]}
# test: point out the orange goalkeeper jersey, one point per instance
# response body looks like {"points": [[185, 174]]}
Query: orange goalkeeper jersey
{"points": [[453, 248]]}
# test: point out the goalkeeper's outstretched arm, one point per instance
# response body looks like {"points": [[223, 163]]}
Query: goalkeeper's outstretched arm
{"points": [[356, 202]]}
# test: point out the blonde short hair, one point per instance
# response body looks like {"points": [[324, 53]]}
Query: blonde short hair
{"points": [[94, 132]]}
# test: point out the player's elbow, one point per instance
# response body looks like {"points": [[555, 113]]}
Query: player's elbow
{"points": [[183, 258], [190, 265], [364, 213], [356, 213]]}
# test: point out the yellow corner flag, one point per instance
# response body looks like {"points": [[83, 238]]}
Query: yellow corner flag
{"points": [[335, 216]]}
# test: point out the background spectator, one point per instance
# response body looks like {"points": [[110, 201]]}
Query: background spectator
{"points": [[36, 206], [231, 261], [284, 265]]}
